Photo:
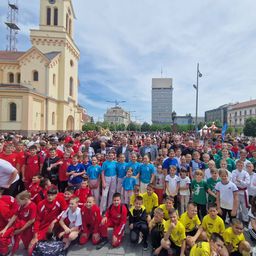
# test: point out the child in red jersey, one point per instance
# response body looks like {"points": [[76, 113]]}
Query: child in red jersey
{"points": [[5, 237], [91, 219], [46, 184], [21, 223], [115, 217], [47, 212], [8, 155], [9, 201], [63, 166], [71, 221], [35, 189], [31, 167], [83, 192], [67, 195]]}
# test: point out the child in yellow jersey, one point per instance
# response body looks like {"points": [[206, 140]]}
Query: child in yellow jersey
{"points": [[156, 230], [192, 224], [136, 192], [212, 223], [150, 200], [234, 239], [211, 248], [174, 241], [167, 206]]}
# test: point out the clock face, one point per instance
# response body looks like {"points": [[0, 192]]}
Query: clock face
{"points": [[52, 1]]}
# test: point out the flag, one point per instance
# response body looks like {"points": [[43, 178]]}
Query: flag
{"points": [[223, 131]]}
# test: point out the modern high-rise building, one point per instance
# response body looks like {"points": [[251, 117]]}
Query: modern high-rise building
{"points": [[162, 100]]}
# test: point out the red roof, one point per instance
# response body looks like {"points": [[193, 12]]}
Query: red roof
{"points": [[246, 104], [11, 56]]}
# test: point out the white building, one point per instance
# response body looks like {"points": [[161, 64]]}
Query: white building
{"points": [[239, 112], [162, 100], [117, 115]]}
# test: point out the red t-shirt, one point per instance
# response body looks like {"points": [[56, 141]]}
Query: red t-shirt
{"points": [[35, 189], [10, 202], [63, 169], [91, 217], [32, 167], [26, 213], [82, 193], [20, 157], [48, 212], [11, 158]]}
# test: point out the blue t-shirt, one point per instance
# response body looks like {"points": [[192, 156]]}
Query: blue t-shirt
{"points": [[135, 167], [77, 169], [109, 168], [129, 183], [121, 170], [195, 165], [146, 171], [93, 172], [89, 163], [169, 162]]}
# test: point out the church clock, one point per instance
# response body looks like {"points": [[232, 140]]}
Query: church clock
{"points": [[52, 1]]}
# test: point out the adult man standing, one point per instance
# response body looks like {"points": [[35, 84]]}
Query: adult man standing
{"points": [[149, 149], [123, 149], [8, 178]]}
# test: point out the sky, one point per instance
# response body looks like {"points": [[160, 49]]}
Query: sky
{"points": [[124, 44]]}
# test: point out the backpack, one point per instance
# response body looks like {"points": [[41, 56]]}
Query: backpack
{"points": [[49, 248]]}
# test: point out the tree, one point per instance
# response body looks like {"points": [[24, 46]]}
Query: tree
{"points": [[89, 127], [250, 127], [133, 127], [145, 127]]}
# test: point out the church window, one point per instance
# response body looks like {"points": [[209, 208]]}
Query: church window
{"points": [[35, 75], [70, 26], [55, 17], [11, 78], [54, 79], [71, 63], [67, 22], [18, 78], [71, 85], [13, 111], [53, 118], [48, 16]]}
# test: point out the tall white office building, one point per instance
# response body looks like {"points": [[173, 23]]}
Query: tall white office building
{"points": [[162, 91]]}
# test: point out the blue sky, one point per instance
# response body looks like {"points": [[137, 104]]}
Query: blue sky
{"points": [[124, 44]]}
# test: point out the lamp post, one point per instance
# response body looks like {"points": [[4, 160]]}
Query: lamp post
{"points": [[198, 74]]}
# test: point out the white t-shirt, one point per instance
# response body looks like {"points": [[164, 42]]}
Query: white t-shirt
{"points": [[6, 170], [241, 179], [252, 187], [183, 184], [207, 174], [75, 218], [226, 194], [173, 183]]}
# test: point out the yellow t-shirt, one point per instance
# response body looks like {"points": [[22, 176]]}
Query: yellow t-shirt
{"points": [[213, 225], [177, 235], [150, 201], [233, 239], [189, 224], [166, 213], [201, 249], [132, 199]]}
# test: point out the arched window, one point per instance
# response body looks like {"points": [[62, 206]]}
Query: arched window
{"points": [[54, 79], [70, 26], [18, 78], [66, 22], [13, 111], [71, 84], [11, 78], [48, 16], [35, 75], [55, 22], [53, 118]]}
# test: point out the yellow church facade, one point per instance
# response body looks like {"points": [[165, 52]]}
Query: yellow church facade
{"points": [[39, 87]]}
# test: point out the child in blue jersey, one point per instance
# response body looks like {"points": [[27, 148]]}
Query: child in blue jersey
{"points": [[146, 174], [128, 186], [121, 172], [93, 173], [75, 172], [135, 166], [108, 177]]}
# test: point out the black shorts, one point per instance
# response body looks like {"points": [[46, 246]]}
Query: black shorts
{"points": [[191, 233]]}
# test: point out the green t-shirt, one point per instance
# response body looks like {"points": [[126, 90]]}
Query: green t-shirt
{"points": [[211, 185], [230, 162], [199, 190]]}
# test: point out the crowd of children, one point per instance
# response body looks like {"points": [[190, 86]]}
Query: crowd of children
{"points": [[193, 201]]}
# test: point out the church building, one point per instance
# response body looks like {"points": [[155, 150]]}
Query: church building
{"points": [[39, 87]]}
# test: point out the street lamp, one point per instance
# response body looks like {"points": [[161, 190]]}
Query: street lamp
{"points": [[198, 74]]}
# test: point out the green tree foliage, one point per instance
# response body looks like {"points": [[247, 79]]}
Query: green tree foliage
{"points": [[145, 127], [250, 127]]}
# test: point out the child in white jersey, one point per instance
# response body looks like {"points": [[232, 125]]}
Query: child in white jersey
{"points": [[184, 192]]}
